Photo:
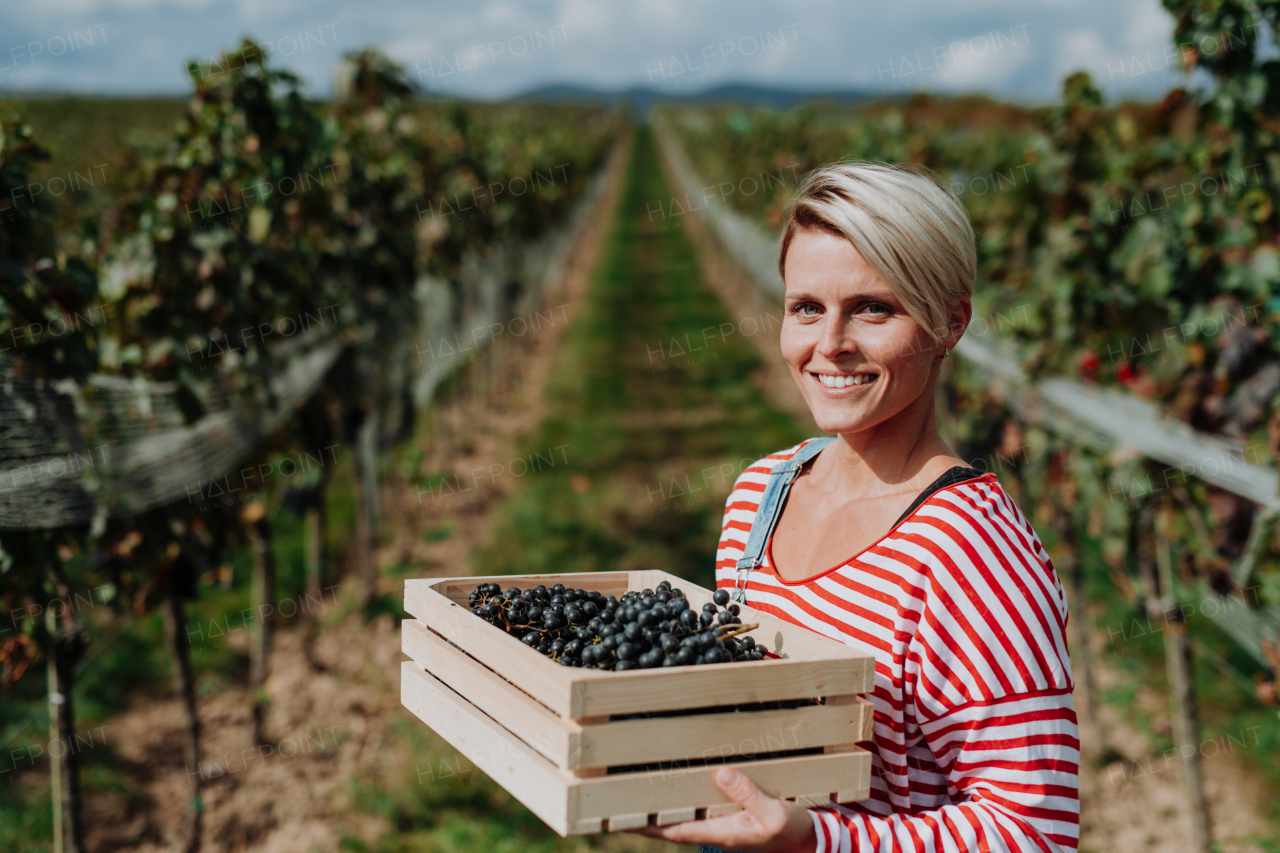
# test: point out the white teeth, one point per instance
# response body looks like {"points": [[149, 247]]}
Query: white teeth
{"points": [[844, 381]]}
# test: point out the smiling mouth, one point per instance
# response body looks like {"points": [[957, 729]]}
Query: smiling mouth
{"points": [[845, 380]]}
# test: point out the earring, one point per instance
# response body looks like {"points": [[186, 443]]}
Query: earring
{"points": [[945, 352]]}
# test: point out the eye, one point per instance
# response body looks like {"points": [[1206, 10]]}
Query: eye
{"points": [[876, 308], [806, 309]]}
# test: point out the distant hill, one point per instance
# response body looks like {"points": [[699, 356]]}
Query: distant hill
{"points": [[640, 97]]}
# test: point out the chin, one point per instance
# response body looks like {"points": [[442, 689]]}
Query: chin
{"points": [[841, 423]]}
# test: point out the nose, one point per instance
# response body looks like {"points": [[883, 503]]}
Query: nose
{"points": [[837, 337]]}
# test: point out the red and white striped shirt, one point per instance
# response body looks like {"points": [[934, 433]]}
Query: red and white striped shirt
{"points": [[976, 743]]}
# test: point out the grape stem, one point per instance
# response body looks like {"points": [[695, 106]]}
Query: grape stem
{"points": [[738, 630]]}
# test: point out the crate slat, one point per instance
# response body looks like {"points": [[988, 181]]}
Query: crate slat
{"points": [[573, 805], [684, 687], [626, 742], [557, 738], [502, 756], [675, 789]]}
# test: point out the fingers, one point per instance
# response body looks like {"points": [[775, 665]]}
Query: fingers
{"points": [[717, 831], [739, 788]]}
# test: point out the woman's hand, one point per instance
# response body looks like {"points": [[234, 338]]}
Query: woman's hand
{"points": [[764, 825]]}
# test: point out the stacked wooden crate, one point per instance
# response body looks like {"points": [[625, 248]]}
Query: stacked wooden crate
{"points": [[565, 741]]}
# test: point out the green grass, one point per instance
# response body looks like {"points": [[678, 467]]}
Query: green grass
{"points": [[627, 419], [25, 822]]}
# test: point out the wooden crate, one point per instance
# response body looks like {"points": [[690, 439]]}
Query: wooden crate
{"points": [[547, 732]]}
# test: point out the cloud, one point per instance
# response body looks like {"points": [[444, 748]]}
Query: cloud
{"points": [[985, 61], [606, 43], [1134, 58]]}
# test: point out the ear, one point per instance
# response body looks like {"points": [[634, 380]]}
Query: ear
{"points": [[957, 321]]}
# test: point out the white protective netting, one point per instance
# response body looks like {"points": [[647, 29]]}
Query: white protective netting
{"points": [[73, 454]]}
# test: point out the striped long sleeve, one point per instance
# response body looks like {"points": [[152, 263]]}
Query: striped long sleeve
{"points": [[976, 745]]}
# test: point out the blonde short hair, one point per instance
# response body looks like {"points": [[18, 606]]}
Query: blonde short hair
{"points": [[908, 226]]}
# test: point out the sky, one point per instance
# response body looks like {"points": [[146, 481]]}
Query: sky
{"points": [[491, 49]]}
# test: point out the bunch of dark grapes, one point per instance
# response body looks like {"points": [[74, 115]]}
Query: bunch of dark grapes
{"points": [[640, 630]]}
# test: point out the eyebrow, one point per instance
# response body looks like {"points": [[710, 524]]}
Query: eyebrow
{"points": [[883, 295]]}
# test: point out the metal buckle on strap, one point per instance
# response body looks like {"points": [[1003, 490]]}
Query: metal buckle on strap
{"points": [[739, 593]]}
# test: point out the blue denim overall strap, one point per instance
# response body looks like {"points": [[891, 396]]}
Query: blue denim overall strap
{"points": [[781, 478]]}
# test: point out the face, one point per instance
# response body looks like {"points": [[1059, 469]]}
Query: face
{"points": [[860, 360]]}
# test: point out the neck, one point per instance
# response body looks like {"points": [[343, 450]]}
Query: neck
{"points": [[890, 456]]}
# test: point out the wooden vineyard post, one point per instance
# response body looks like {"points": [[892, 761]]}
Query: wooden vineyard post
{"points": [[1182, 692], [178, 640], [314, 536], [66, 643], [1153, 557], [55, 699], [367, 507], [264, 586]]}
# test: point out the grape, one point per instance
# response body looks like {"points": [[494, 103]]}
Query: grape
{"points": [[645, 629]]}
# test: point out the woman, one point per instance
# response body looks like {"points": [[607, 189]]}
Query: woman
{"points": [[976, 744]]}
